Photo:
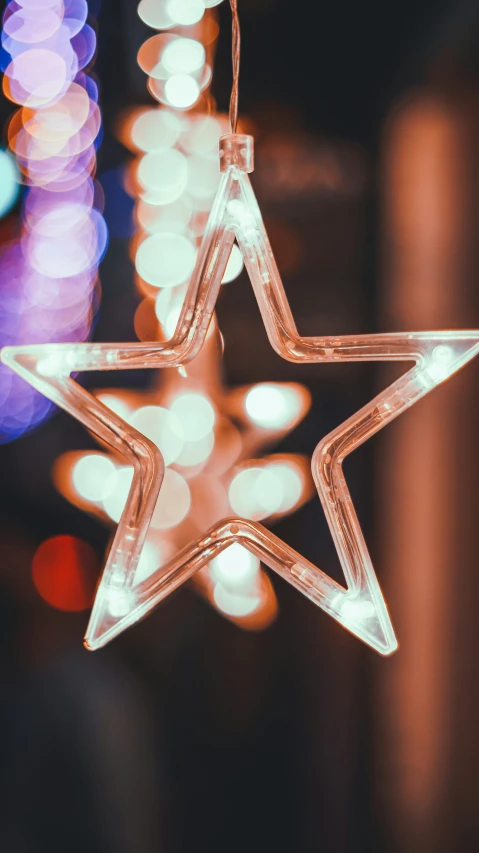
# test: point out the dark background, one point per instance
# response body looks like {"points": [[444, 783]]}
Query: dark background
{"points": [[186, 733]]}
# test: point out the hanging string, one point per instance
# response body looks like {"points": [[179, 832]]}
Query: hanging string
{"points": [[236, 51]]}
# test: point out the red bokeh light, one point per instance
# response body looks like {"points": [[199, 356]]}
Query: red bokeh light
{"points": [[65, 572]]}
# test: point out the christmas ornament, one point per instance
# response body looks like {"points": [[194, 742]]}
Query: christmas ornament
{"points": [[360, 607]]}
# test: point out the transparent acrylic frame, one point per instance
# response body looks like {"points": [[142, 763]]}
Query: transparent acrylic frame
{"points": [[119, 603]]}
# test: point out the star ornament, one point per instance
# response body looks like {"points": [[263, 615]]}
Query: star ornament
{"points": [[360, 606]]}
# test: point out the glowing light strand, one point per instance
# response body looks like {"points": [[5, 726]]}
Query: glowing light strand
{"points": [[436, 355]]}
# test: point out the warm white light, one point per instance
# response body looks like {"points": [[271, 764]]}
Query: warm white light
{"points": [[203, 179], [273, 406], [119, 602], [202, 136], [156, 129], [165, 259], [195, 414], [353, 610], [240, 213], [182, 91], [168, 308], [234, 604], [150, 560], [114, 403], [117, 485], [183, 56], [53, 365], [292, 483], [235, 567], [439, 364], [196, 452], [155, 14], [155, 218], [173, 502], [162, 427], [163, 174], [93, 476], [256, 493], [234, 266], [185, 12], [153, 556]]}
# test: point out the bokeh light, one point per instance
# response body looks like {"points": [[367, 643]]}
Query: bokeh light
{"points": [[65, 572], [51, 268], [291, 478], [234, 266], [256, 493], [117, 488], [195, 414], [163, 428], [182, 91], [235, 567], [184, 56], [185, 12], [155, 130], [163, 174], [93, 476], [194, 453], [168, 308], [201, 134], [155, 14], [115, 403], [166, 259], [155, 553], [273, 406], [173, 501], [236, 604]]}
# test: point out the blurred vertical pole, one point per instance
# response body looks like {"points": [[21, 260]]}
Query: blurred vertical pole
{"points": [[424, 474]]}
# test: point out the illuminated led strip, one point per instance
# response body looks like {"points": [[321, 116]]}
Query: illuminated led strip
{"points": [[50, 272]]}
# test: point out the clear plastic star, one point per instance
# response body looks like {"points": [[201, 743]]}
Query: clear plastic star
{"points": [[360, 606]]}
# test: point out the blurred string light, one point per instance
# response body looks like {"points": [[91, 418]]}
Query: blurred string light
{"points": [[48, 276], [209, 474], [175, 174]]}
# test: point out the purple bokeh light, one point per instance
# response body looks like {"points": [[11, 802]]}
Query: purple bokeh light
{"points": [[49, 288]]}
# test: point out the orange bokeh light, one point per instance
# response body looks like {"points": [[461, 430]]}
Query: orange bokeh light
{"points": [[64, 572]]}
